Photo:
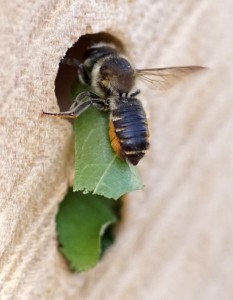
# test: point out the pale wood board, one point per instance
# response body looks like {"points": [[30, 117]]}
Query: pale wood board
{"points": [[175, 240]]}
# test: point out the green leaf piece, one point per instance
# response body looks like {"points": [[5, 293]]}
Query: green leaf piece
{"points": [[97, 168], [81, 222]]}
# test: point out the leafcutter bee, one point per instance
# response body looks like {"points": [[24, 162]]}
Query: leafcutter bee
{"points": [[112, 78]]}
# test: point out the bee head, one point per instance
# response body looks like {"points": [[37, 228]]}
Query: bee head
{"points": [[116, 74]]}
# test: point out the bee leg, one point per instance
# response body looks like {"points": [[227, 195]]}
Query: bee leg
{"points": [[79, 107], [81, 97], [78, 100]]}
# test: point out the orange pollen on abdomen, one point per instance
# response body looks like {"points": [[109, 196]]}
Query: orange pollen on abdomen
{"points": [[114, 139]]}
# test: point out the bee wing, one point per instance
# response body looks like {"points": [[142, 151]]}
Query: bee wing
{"points": [[166, 78]]}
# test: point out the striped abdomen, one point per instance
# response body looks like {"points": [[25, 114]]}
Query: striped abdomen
{"points": [[129, 132]]}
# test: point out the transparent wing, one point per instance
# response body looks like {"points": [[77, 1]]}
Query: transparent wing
{"points": [[165, 78]]}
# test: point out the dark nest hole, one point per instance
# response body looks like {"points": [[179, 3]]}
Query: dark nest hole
{"points": [[67, 78], [67, 75]]}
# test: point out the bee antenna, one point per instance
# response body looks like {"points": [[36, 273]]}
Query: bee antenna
{"points": [[73, 62]]}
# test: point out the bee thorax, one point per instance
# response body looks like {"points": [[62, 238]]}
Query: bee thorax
{"points": [[116, 74]]}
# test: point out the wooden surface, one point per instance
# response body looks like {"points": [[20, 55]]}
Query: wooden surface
{"points": [[175, 240]]}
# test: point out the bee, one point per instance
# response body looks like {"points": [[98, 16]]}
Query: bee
{"points": [[112, 77]]}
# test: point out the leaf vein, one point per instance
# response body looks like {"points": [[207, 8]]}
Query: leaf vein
{"points": [[104, 173]]}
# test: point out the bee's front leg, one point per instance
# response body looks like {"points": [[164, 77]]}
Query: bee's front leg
{"points": [[81, 98], [80, 105]]}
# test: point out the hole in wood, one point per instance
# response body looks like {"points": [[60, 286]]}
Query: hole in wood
{"points": [[67, 75]]}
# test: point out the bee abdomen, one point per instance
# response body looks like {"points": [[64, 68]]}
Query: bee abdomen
{"points": [[131, 130]]}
